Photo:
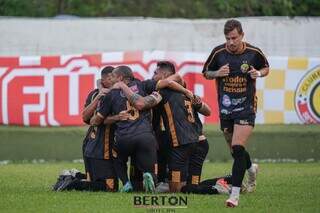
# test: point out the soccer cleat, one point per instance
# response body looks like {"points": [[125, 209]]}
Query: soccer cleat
{"points": [[127, 187], [74, 172], [148, 183], [162, 187], [58, 183], [232, 202], [65, 183], [222, 187], [252, 178]]}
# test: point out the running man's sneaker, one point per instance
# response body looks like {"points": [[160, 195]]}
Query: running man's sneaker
{"points": [[222, 187], [148, 183], [127, 187], [252, 178], [232, 202]]}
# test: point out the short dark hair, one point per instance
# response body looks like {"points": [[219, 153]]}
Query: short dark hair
{"points": [[167, 65], [125, 72], [231, 25], [106, 70]]}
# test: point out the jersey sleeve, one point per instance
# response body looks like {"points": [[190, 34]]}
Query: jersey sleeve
{"points": [[211, 64], [90, 97], [164, 93], [104, 106], [149, 86], [260, 60]]}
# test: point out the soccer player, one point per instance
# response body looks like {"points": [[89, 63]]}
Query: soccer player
{"points": [[97, 147], [235, 65], [198, 157], [178, 117], [91, 105]]}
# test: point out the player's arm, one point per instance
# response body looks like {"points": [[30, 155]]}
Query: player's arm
{"points": [[136, 100], [201, 106], [221, 72], [260, 68], [122, 116], [254, 73], [102, 111], [174, 86], [211, 68], [175, 77], [96, 119], [89, 110]]}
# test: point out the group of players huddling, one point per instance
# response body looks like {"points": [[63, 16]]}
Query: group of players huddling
{"points": [[155, 124]]}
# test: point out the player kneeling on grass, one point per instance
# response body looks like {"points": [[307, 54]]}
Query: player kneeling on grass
{"points": [[100, 173]]}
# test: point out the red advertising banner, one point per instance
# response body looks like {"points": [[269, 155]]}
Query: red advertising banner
{"points": [[51, 91]]}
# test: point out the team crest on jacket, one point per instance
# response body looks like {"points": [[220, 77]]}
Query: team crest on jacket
{"points": [[307, 97], [244, 67]]}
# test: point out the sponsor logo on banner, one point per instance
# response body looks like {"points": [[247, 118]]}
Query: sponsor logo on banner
{"points": [[307, 97]]}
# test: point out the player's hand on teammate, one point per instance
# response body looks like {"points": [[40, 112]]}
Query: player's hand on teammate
{"points": [[124, 115], [254, 73], [189, 94], [103, 92], [197, 101], [117, 85], [223, 71]]}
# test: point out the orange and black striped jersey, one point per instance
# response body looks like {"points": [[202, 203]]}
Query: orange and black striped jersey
{"points": [[237, 91], [98, 141], [115, 101], [178, 117]]}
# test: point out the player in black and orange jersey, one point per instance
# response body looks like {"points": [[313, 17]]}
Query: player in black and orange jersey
{"points": [[91, 104], [133, 137], [97, 146], [198, 157], [235, 66], [178, 117]]}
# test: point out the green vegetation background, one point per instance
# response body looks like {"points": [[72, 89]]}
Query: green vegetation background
{"points": [[160, 8]]}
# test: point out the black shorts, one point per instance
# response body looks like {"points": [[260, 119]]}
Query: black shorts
{"points": [[101, 170], [226, 125], [142, 148], [179, 160], [196, 162]]}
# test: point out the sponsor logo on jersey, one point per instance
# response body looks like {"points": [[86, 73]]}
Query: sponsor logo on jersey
{"points": [[226, 101], [244, 67]]}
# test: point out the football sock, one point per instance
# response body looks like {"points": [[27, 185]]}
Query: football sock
{"points": [[248, 160], [235, 192], [239, 165]]}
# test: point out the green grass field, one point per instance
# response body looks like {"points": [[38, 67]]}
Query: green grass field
{"points": [[275, 142], [282, 187]]}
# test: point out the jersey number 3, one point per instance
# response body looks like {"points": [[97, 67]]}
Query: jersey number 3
{"points": [[190, 111], [134, 113]]}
